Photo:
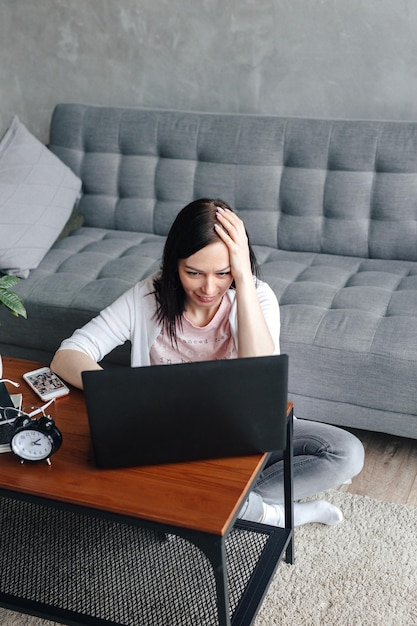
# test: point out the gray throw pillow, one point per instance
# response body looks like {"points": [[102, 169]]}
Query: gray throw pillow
{"points": [[37, 195]]}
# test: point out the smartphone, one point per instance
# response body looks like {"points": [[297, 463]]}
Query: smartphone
{"points": [[45, 383]]}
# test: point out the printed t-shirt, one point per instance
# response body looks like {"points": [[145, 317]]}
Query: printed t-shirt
{"points": [[197, 343]]}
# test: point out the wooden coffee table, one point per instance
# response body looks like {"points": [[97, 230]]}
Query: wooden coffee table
{"points": [[180, 514]]}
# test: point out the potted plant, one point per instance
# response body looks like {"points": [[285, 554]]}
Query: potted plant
{"points": [[10, 300]]}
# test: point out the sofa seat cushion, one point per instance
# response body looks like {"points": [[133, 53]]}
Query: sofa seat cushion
{"points": [[79, 276], [354, 319]]}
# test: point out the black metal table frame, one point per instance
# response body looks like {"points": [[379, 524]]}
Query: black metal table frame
{"points": [[213, 546]]}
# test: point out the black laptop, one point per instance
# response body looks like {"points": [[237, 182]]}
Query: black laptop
{"points": [[187, 412]]}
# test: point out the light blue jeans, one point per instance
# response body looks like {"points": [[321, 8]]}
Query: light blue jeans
{"points": [[325, 456]]}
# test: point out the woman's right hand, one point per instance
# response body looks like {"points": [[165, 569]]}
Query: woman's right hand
{"points": [[232, 232]]}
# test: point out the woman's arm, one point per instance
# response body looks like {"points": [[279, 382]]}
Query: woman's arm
{"points": [[69, 364], [254, 338], [90, 344]]}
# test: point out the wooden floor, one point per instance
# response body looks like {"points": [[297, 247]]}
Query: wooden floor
{"points": [[390, 470]]}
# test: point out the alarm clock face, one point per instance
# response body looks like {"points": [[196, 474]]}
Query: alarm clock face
{"points": [[31, 445]]}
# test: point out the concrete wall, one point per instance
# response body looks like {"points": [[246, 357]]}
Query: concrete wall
{"points": [[320, 58]]}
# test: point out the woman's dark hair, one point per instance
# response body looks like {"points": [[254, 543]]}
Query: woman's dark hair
{"points": [[192, 230]]}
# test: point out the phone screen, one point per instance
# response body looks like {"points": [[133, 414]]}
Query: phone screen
{"points": [[45, 382]]}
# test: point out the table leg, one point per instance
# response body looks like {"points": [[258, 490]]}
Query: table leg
{"points": [[214, 548], [289, 489]]}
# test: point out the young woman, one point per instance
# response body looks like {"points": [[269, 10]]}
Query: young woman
{"points": [[208, 303]]}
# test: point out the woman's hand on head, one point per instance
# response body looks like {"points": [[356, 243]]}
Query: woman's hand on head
{"points": [[254, 336], [232, 232]]}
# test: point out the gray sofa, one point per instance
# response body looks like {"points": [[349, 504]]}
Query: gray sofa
{"points": [[331, 208]]}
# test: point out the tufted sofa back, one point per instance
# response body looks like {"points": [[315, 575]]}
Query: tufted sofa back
{"points": [[325, 186]]}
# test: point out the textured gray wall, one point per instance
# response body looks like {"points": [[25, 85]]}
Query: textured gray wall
{"points": [[320, 58]]}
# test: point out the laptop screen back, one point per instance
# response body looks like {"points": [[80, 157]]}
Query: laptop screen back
{"points": [[192, 411]]}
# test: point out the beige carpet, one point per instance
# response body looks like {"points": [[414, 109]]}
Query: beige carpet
{"points": [[361, 573]]}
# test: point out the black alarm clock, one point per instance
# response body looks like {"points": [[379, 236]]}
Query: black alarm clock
{"points": [[35, 439]]}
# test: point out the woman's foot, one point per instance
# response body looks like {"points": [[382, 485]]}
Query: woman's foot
{"points": [[315, 511]]}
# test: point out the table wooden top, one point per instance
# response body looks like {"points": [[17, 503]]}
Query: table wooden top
{"points": [[203, 495]]}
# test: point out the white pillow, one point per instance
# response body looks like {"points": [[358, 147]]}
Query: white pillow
{"points": [[37, 195]]}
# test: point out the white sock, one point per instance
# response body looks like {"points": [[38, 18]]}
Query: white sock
{"points": [[318, 511], [273, 515]]}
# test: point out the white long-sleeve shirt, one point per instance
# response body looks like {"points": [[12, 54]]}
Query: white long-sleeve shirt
{"points": [[132, 318]]}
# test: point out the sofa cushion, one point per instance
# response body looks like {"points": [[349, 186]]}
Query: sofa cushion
{"points": [[37, 195], [323, 186], [350, 326], [80, 275]]}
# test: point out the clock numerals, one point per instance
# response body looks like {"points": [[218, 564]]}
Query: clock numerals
{"points": [[32, 445]]}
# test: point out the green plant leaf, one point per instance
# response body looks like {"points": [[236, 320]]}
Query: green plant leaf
{"points": [[8, 281], [10, 299]]}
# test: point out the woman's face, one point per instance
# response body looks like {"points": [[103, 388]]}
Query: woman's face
{"points": [[205, 277]]}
